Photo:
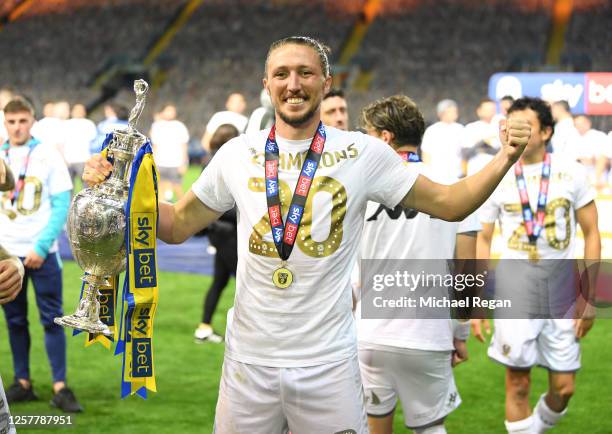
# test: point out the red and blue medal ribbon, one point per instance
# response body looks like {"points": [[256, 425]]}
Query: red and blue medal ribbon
{"points": [[409, 157], [14, 195], [284, 235], [533, 228]]}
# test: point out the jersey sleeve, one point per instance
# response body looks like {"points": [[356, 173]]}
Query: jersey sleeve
{"points": [[583, 190], [213, 124], [212, 188], [470, 224], [387, 178]]}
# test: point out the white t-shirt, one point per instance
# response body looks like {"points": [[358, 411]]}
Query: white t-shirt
{"points": [[478, 131], [169, 138], [310, 323], [569, 190], [49, 131], [413, 236], [80, 133], [564, 138], [257, 118], [442, 142], [227, 117], [591, 145], [47, 175]]}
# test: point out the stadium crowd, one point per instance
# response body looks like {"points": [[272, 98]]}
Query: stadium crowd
{"points": [[201, 56]]}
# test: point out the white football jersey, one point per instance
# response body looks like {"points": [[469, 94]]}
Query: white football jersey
{"points": [[168, 138], [443, 142], [80, 133], [22, 222], [226, 117], [407, 234], [569, 190], [310, 322]]}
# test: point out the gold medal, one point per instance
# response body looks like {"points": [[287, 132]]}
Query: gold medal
{"points": [[282, 277], [533, 255]]}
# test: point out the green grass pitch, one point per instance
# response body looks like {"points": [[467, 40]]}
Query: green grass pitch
{"points": [[188, 374]]}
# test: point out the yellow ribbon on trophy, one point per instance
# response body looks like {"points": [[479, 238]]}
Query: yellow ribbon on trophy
{"points": [[140, 286]]}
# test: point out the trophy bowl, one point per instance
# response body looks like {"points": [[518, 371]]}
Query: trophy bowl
{"points": [[97, 224]]}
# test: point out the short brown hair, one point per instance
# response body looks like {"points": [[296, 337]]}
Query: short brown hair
{"points": [[322, 50], [18, 105], [397, 114], [222, 134]]}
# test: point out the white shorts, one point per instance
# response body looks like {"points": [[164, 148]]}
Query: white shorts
{"points": [[422, 380], [325, 399], [523, 343]]}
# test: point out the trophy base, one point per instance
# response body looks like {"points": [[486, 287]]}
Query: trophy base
{"points": [[85, 324]]}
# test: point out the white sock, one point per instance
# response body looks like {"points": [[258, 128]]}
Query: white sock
{"points": [[544, 417], [522, 426], [434, 429]]}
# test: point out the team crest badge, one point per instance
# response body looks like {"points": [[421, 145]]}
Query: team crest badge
{"points": [[506, 349]]}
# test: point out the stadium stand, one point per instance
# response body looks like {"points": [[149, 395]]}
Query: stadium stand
{"points": [[428, 52]]}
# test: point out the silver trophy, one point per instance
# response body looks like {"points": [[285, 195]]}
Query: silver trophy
{"points": [[97, 223]]}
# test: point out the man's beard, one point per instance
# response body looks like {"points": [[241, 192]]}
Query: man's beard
{"points": [[298, 122]]}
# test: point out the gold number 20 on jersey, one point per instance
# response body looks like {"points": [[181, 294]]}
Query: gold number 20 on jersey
{"points": [[310, 247], [550, 226]]}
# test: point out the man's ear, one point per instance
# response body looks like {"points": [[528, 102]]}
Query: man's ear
{"points": [[546, 134], [387, 136], [327, 85]]}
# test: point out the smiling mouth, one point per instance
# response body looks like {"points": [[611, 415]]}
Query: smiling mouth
{"points": [[295, 100]]}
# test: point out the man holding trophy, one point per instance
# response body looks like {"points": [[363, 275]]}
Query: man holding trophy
{"points": [[32, 215], [291, 354]]}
